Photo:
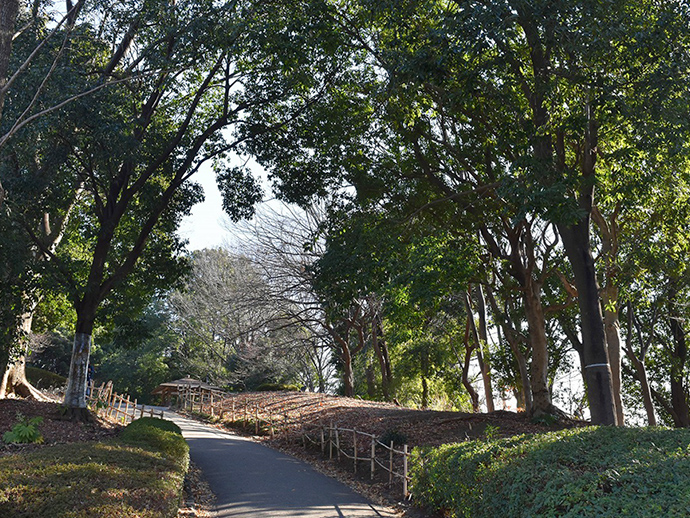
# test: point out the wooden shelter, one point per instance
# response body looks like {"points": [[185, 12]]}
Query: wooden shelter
{"points": [[169, 390]]}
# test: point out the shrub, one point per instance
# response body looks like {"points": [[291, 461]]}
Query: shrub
{"points": [[25, 431], [397, 437], [159, 434], [275, 387], [583, 472], [43, 379]]}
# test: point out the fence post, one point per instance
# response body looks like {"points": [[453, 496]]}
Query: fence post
{"points": [[405, 492], [270, 423], [390, 467], [373, 456], [323, 442], [330, 441], [337, 442], [286, 426], [232, 412], [212, 410], [256, 420], [354, 447]]}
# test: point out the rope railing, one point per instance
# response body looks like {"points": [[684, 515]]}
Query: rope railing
{"points": [[273, 422]]}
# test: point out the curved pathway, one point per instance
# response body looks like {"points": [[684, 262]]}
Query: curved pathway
{"points": [[251, 480]]}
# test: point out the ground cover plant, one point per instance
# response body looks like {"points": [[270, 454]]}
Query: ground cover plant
{"points": [[139, 474], [580, 472]]}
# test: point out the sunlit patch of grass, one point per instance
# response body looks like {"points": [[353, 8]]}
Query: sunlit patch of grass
{"points": [[91, 479]]}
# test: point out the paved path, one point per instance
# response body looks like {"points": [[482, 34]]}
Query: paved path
{"points": [[251, 480]]}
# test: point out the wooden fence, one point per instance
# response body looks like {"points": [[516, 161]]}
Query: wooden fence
{"points": [[116, 407], [336, 442]]}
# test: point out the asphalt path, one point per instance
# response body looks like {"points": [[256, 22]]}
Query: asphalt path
{"points": [[251, 480]]}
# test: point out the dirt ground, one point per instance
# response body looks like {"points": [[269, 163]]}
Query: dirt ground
{"points": [[53, 429]]}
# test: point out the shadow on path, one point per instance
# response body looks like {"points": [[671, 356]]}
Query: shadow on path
{"points": [[251, 480]]}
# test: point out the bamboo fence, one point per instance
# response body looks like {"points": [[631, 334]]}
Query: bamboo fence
{"points": [[116, 407]]}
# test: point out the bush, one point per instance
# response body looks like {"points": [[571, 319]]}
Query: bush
{"points": [[25, 431], [44, 379], [159, 434], [583, 472], [276, 387]]}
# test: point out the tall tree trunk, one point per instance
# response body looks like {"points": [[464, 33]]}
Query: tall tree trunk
{"points": [[482, 343], [474, 397], [14, 378], [381, 351], [511, 336], [609, 252], [597, 369], [679, 356], [534, 311], [75, 394], [640, 372], [8, 18], [613, 346]]}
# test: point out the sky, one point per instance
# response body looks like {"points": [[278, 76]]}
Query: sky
{"points": [[206, 226]]}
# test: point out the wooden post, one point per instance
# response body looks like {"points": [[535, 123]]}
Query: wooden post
{"points": [[390, 467], [405, 492], [354, 447], [323, 442], [270, 423], [142, 411], [151, 411], [232, 413], [330, 441], [337, 442], [256, 420], [286, 426], [373, 456], [212, 410]]}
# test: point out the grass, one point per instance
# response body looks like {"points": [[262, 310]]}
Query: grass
{"points": [[140, 474]]}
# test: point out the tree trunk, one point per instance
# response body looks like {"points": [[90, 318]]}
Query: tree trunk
{"points": [[75, 394], [474, 397], [371, 381], [679, 353], [641, 375], [525, 388], [597, 370], [382, 356], [8, 19], [483, 342], [14, 378], [640, 372], [534, 311], [613, 346]]}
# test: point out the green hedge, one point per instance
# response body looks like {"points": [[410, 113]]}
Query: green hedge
{"points": [[583, 472], [163, 435], [43, 379]]}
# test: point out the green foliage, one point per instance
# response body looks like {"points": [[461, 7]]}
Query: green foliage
{"points": [[581, 472], [25, 431], [160, 434], [44, 379], [274, 387], [396, 437]]}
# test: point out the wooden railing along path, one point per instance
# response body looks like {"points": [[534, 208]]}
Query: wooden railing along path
{"points": [[116, 407], [358, 446]]}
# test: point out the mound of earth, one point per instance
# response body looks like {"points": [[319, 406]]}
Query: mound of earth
{"points": [[419, 427]]}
